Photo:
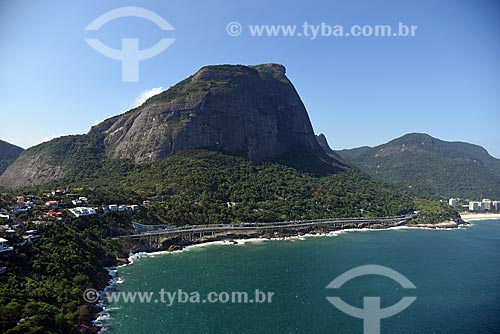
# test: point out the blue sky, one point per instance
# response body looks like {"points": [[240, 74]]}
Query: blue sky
{"points": [[445, 81]]}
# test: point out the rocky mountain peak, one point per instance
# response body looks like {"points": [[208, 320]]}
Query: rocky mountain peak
{"points": [[248, 110]]}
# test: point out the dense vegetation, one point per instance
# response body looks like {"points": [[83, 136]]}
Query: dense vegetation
{"points": [[427, 165], [432, 212], [42, 291], [198, 187]]}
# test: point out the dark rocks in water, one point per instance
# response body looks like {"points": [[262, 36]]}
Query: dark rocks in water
{"points": [[174, 248]]}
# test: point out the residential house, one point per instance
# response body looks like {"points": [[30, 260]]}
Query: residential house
{"points": [[81, 211], [54, 214], [4, 248], [54, 204], [56, 192], [19, 208], [40, 222], [76, 202]]}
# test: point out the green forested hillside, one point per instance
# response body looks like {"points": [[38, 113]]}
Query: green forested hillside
{"points": [[196, 187], [428, 165], [44, 284]]}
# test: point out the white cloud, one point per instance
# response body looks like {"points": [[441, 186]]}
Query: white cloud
{"points": [[146, 95]]}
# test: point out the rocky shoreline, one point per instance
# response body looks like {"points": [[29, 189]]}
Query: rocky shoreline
{"points": [[446, 224], [177, 244]]}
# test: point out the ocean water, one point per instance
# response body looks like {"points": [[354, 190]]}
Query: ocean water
{"points": [[456, 274]]}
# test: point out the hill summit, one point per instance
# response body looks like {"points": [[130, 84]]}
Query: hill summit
{"points": [[252, 111], [431, 165]]}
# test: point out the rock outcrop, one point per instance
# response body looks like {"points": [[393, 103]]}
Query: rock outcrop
{"points": [[252, 111]]}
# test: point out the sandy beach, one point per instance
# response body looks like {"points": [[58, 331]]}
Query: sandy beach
{"points": [[479, 216]]}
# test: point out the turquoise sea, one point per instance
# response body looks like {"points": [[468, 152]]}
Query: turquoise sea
{"points": [[456, 274]]}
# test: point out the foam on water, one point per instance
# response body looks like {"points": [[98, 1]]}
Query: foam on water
{"points": [[104, 314], [137, 256]]}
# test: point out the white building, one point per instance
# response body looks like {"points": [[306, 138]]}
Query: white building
{"points": [[80, 200], [486, 204], [452, 202], [81, 211], [474, 206], [3, 246], [3, 243]]}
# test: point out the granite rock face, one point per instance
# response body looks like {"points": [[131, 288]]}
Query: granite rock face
{"points": [[30, 169], [252, 111], [326, 148], [48, 161]]}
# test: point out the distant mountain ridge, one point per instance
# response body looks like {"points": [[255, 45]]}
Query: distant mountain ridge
{"points": [[353, 152], [431, 165], [8, 153]]}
